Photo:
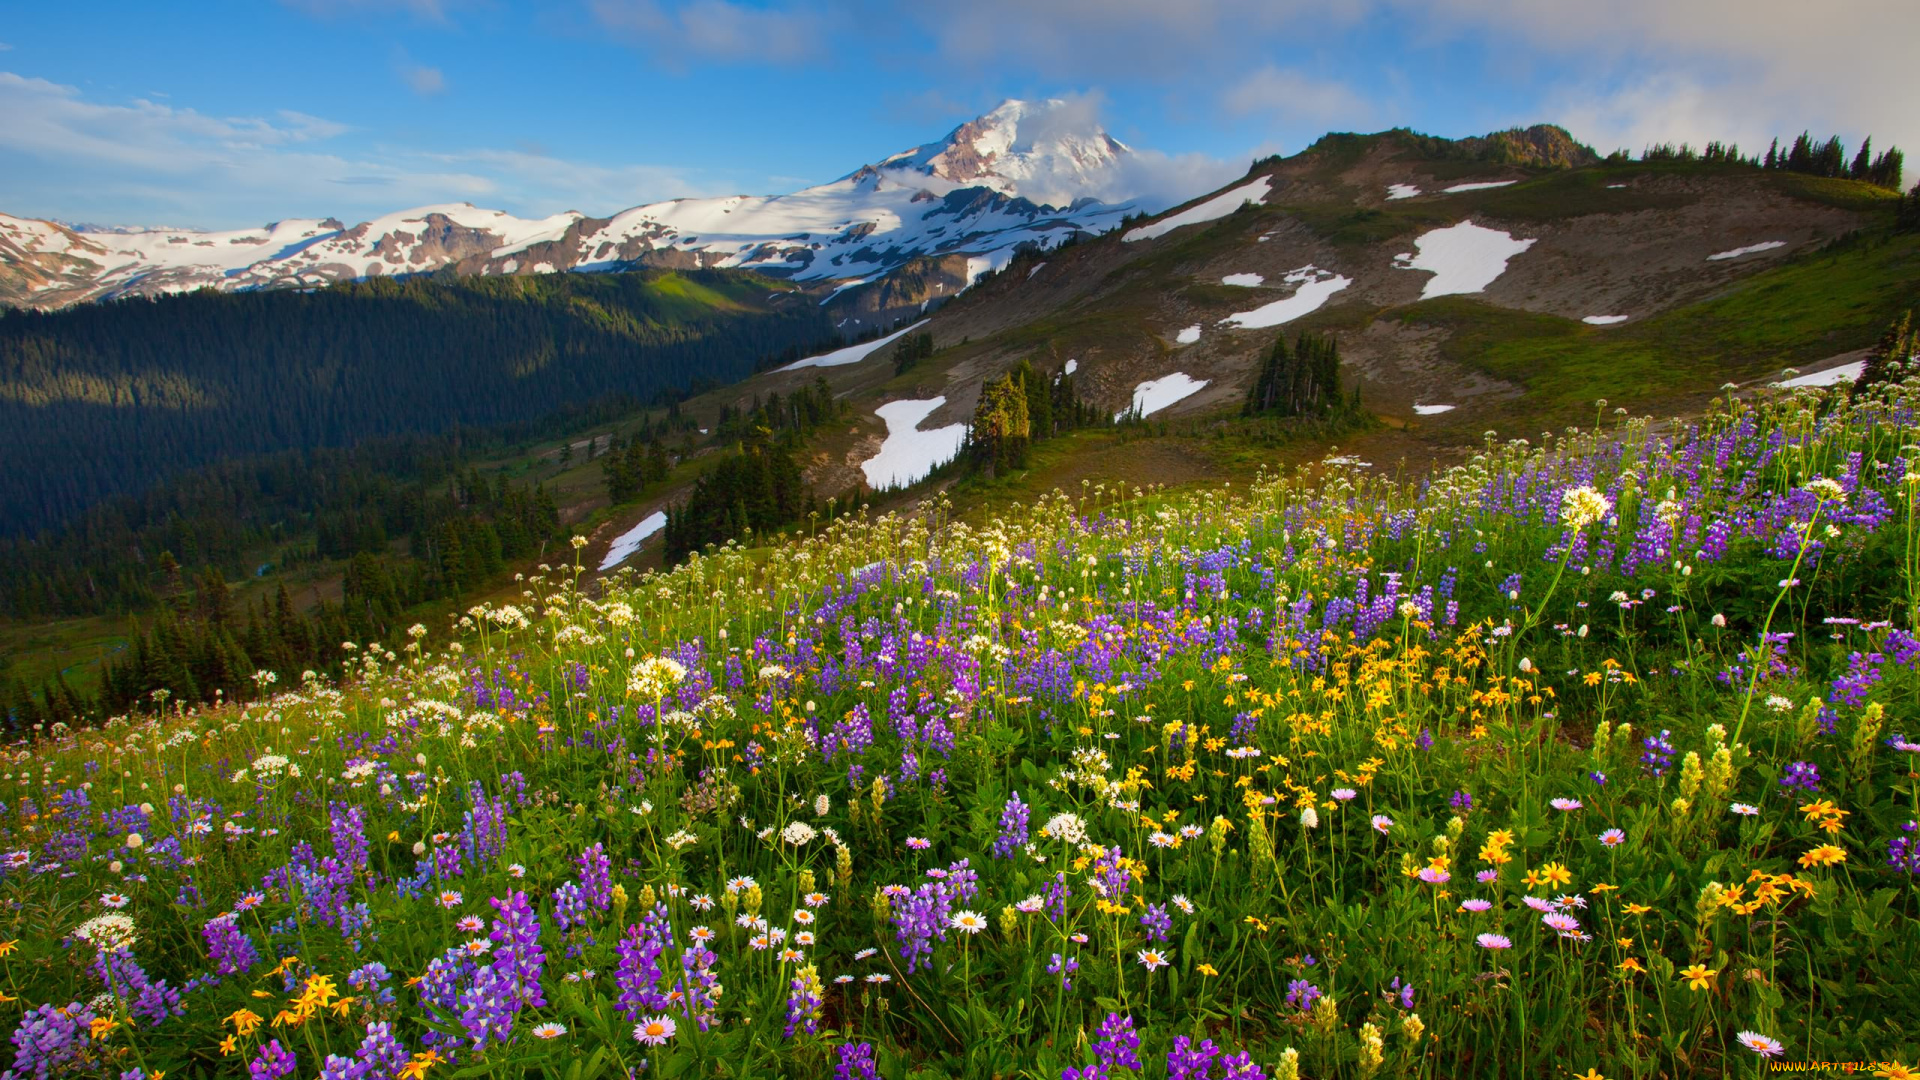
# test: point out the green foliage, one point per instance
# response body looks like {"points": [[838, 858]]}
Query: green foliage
{"points": [[1301, 381], [151, 387], [910, 350], [1001, 429]]}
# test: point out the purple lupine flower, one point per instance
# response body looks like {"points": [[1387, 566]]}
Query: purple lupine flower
{"points": [[803, 1003], [1802, 774], [1400, 995], [638, 974], [229, 947], [1903, 854], [1157, 922], [1013, 828], [1058, 893], [272, 1062], [569, 906], [1118, 1045], [596, 877], [487, 1006], [1462, 801], [517, 953], [1301, 994], [1190, 1061], [963, 881], [856, 1062], [1657, 757], [151, 1000], [1240, 1066], [49, 1037], [698, 985], [920, 918], [1110, 875], [1063, 966]]}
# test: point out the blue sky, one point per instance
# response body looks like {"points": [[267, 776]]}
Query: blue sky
{"points": [[229, 113]]}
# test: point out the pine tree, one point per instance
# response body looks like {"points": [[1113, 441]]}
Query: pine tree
{"points": [[1862, 161], [1001, 428]]}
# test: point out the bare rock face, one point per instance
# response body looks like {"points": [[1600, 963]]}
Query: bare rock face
{"points": [[1542, 146]]}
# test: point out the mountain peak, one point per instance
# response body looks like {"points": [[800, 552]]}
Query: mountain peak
{"points": [[1048, 152]]}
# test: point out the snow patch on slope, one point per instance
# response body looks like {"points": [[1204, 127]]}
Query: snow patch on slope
{"points": [[1845, 373], [1245, 280], [1463, 258], [1315, 288], [1401, 191], [852, 354], [1156, 394], [1603, 320], [1217, 207], [1767, 245], [629, 542], [908, 454], [1481, 185]]}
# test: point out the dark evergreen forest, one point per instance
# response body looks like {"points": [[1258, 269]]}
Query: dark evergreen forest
{"points": [[109, 399]]}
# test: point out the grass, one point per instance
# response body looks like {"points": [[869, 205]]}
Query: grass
{"points": [[1810, 308], [1321, 772]]}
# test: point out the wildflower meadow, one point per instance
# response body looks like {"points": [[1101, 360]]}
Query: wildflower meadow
{"points": [[1594, 756]]}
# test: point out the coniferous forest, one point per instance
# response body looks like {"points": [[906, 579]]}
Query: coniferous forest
{"points": [[110, 398]]}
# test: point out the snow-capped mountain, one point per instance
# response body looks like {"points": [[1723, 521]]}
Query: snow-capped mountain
{"points": [[1022, 174]]}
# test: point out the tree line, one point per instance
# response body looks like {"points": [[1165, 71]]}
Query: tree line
{"points": [[105, 399], [1804, 155]]}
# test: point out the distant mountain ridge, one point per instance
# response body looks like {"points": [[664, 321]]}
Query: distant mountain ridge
{"points": [[1017, 176]]}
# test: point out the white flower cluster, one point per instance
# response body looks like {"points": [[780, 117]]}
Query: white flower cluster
{"points": [[1582, 506]]}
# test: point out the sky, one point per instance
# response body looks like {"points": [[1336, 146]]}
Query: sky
{"points": [[233, 113]]}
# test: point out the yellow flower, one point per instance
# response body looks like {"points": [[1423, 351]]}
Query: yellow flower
{"points": [[228, 1046], [1556, 875], [6, 947], [1699, 976], [1633, 965], [244, 1022], [417, 1068], [102, 1026], [1590, 1074], [1824, 855], [1638, 909], [1896, 1071], [1205, 969]]}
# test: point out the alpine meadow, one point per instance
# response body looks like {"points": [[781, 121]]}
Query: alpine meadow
{"points": [[1034, 607]]}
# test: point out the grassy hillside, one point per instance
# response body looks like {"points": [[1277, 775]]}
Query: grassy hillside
{"points": [[1452, 776]]}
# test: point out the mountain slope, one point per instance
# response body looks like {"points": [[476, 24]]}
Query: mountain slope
{"points": [[1542, 280], [1017, 176]]}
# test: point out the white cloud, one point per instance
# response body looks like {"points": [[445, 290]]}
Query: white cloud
{"points": [[423, 80], [715, 30], [1296, 97], [4, 47], [141, 162]]}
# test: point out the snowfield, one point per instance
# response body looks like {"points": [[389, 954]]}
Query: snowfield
{"points": [[1245, 280], [1767, 245], [1073, 366], [1217, 207], [1431, 410], [909, 454], [1315, 288], [629, 542], [1156, 394], [1845, 373], [1188, 335], [1463, 258], [1478, 186], [1401, 191], [1603, 320], [852, 354]]}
